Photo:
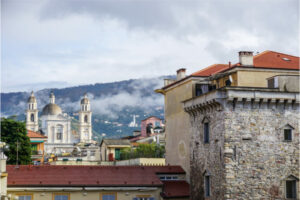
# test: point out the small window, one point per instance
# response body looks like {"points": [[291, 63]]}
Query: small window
{"points": [[85, 118], [58, 136], [110, 196], [32, 117], [228, 82], [291, 191], [143, 197], [288, 134], [206, 132], [61, 196], [198, 90], [207, 186], [59, 130], [25, 197]]}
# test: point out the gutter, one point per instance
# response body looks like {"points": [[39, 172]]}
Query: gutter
{"points": [[52, 189]]}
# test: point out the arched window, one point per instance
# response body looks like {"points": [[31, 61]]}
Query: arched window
{"points": [[59, 132], [149, 128], [32, 117], [85, 118], [85, 107], [207, 183]]}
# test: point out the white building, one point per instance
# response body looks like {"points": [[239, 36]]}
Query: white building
{"points": [[56, 125]]}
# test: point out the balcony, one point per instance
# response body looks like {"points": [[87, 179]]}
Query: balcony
{"points": [[36, 154]]}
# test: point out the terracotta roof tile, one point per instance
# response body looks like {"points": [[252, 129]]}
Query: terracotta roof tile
{"points": [[32, 134], [176, 189], [210, 70], [271, 59], [51, 176]]}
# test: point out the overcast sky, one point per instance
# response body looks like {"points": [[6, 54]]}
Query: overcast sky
{"points": [[60, 43]]}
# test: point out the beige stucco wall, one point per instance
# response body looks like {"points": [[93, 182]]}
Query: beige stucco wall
{"points": [[143, 161], [259, 78], [178, 126], [89, 195], [3, 174]]}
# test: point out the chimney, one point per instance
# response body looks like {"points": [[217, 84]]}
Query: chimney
{"points": [[246, 58], [180, 73]]}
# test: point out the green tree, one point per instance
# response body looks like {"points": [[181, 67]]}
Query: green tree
{"points": [[143, 151], [12, 132]]}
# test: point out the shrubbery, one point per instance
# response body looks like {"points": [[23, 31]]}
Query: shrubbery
{"points": [[143, 151]]}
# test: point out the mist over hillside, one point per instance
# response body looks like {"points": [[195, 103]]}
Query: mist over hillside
{"points": [[113, 104]]}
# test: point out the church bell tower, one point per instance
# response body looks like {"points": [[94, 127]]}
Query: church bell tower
{"points": [[32, 121], [85, 120]]}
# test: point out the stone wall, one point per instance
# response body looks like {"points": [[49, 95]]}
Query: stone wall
{"points": [[247, 156], [258, 159], [207, 158]]}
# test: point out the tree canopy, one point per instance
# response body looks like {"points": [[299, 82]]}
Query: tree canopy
{"points": [[143, 151], [12, 132]]}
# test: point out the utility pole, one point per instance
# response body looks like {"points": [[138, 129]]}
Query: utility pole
{"points": [[17, 154]]}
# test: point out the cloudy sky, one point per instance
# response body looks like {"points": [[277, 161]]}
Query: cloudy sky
{"points": [[60, 43]]}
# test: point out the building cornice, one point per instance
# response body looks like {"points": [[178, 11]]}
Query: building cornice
{"points": [[246, 97]]}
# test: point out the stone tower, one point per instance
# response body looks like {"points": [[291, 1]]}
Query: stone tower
{"points": [[32, 121], [85, 120]]}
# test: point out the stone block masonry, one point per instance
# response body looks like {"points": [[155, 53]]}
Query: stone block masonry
{"points": [[248, 155]]}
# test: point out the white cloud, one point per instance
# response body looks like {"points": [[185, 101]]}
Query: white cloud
{"points": [[80, 42]]}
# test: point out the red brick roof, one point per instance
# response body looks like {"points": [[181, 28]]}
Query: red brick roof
{"points": [[210, 70], [32, 134], [68, 176], [176, 189]]}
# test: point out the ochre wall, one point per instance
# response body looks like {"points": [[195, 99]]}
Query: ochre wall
{"points": [[178, 126], [90, 195], [257, 78]]}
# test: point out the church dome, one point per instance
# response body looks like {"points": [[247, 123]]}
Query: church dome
{"points": [[51, 109]]}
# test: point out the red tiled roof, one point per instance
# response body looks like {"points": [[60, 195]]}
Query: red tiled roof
{"points": [[210, 70], [32, 134], [178, 189], [68, 176], [272, 59]]}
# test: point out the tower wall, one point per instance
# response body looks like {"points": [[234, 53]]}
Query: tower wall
{"points": [[247, 156]]}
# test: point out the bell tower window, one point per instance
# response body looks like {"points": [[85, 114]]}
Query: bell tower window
{"points": [[59, 131], [32, 117], [85, 118]]}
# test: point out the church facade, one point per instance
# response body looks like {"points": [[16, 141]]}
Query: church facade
{"points": [[56, 125]]}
